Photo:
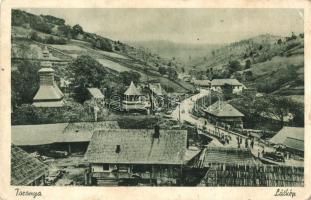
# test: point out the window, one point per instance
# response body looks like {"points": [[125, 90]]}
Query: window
{"points": [[106, 167]]}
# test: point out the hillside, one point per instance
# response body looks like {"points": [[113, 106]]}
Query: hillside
{"points": [[271, 64], [186, 53], [30, 33]]}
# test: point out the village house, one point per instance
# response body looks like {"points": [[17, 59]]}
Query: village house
{"points": [[290, 140], [223, 114], [26, 170], [134, 99], [70, 137], [157, 90], [146, 156], [158, 94], [96, 96], [220, 84], [202, 84]]}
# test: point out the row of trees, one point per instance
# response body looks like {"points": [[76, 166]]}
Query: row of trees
{"points": [[48, 40], [87, 72], [270, 106], [172, 73]]}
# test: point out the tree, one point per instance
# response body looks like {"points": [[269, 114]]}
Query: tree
{"points": [[50, 40], [172, 74], [260, 47], [65, 30], [276, 107], [293, 36], [279, 41], [248, 75], [102, 44], [53, 20], [128, 76], [85, 72], [34, 36], [182, 69], [40, 25], [76, 30], [19, 17], [247, 64], [234, 66], [25, 82], [227, 89], [162, 70]]}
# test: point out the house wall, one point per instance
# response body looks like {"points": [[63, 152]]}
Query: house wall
{"points": [[236, 89], [216, 88], [39, 181], [232, 121], [157, 173]]}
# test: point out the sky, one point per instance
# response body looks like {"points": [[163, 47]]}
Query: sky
{"points": [[214, 26]]}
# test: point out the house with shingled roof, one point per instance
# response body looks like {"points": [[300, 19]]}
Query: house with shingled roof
{"points": [[220, 84], [136, 155], [223, 114], [71, 137], [291, 140], [96, 100], [202, 84], [26, 170]]}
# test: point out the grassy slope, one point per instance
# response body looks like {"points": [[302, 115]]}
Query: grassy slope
{"points": [[113, 60], [276, 70]]}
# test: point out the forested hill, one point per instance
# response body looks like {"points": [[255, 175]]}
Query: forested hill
{"points": [[30, 33], [269, 63]]}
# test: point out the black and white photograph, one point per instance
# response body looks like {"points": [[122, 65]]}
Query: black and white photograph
{"points": [[152, 97]]}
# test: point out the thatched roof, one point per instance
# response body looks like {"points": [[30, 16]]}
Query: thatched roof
{"points": [[228, 156], [24, 135], [254, 175], [292, 137], [132, 90], [223, 109], [96, 93], [222, 82], [24, 168], [137, 146]]}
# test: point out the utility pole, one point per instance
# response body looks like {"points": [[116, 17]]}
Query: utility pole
{"points": [[179, 113], [148, 84]]}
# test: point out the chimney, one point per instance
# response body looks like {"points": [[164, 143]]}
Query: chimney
{"points": [[46, 76], [118, 148], [156, 133]]}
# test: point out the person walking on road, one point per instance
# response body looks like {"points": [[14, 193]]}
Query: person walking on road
{"points": [[252, 143]]}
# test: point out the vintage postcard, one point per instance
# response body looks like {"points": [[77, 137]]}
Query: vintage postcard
{"points": [[137, 100]]}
